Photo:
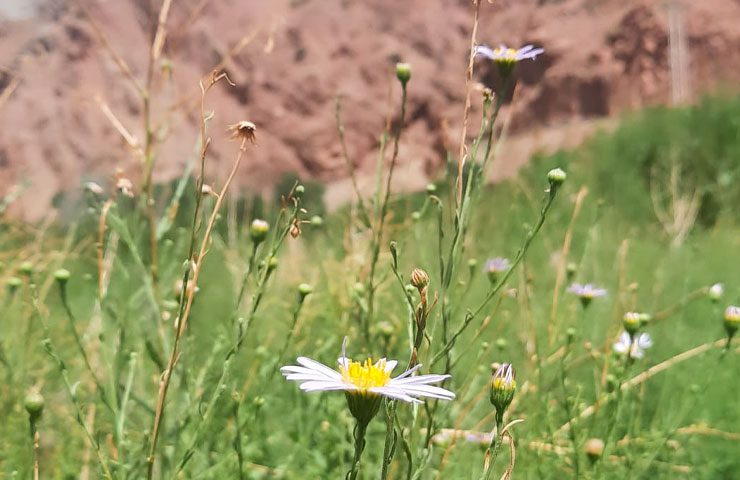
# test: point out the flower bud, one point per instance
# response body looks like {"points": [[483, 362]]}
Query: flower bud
{"points": [[419, 279], [612, 383], [732, 320], [26, 269], [258, 230], [34, 404], [495, 267], [416, 216], [715, 292], [571, 269], [62, 276], [556, 177], [13, 284], [317, 221], [272, 264], [385, 328], [431, 188], [594, 449], [631, 321], [304, 290], [299, 191], [570, 335], [403, 73], [503, 387]]}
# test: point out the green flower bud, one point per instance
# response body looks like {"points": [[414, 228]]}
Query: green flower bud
{"points": [[299, 191], [62, 276], [570, 334], [304, 289], [612, 383], [502, 343], [317, 221], [272, 264], [258, 230], [416, 216], [732, 320], [571, 269], [503, 387], [556, 177], [431, 189], [26, 269], [403, 73], [632, 321], [13, 284], [34, 404], [385, 328]]}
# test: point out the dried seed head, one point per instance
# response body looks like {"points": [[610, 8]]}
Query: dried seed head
{"points": [[243, 130], [419, 279]]}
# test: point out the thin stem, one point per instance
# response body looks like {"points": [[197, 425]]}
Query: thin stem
{"points": [[493, 448], [359, 435]]}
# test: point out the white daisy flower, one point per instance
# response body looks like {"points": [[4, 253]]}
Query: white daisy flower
{"points": [[364, 383], [504, 54], [634, 346]]}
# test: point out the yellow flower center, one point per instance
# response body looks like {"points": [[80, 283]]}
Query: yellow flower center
{"points": [[499, 383], [507, 55], [365, 375]]}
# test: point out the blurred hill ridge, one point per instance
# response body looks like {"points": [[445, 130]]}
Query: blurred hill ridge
{"points": [[59, 88]]}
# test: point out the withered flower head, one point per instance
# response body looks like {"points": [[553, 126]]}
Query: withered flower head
{"points": [[243, 130]]}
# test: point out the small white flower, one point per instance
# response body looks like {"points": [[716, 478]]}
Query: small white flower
{"points": [[636, 347], [366, 379], [504, 54], [716, 291], [588, 290]]}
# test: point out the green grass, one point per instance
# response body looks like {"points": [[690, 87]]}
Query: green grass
{"points": [[681, 423]]}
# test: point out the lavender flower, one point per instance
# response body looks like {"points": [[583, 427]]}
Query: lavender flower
{"points": [[732, 320], [496, 266], [634, 346], [586, 293]]}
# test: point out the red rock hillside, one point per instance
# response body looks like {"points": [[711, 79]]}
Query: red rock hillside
{"points": [[63, 90]]}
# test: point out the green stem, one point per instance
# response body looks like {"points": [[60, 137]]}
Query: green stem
{"points": [[493, 447], [359, 434]]}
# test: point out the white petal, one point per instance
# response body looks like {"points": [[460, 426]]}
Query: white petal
{"points": [[390, 365], [419, 380], [644, 341], [637, 352], [394, 393], [408, 372], [483, 51], [319, 367], [620, 347], [303, 377], [324, 386], [427, 391]]}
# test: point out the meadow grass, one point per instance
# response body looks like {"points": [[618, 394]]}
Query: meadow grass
{"points": [[155, 335]]}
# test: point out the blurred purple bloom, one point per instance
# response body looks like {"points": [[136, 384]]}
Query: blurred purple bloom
{"points": [[588, 291], [497, 265]]}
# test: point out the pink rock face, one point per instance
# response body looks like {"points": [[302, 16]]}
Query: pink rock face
{"points": [[68, 115]]}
